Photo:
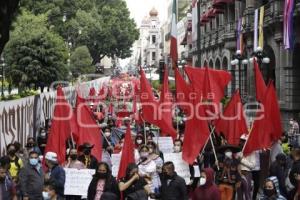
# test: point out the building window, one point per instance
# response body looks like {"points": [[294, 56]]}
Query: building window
{"points": [[153, 39], [153, 56]]}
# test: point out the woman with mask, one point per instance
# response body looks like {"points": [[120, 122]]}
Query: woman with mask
{"points": [[50, 191], [133, 185], [15, 162], [73, 161], [228, 176], [207, 189], [89, 161], [271, 190], [103, 185], [139, 140], [154, 155], [148, 169]]}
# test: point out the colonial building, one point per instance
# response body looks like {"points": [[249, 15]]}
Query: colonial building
{"points": [[150, 39], [218, 44]]}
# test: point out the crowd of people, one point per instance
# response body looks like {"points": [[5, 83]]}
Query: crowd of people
{"points": [[29, 173]]}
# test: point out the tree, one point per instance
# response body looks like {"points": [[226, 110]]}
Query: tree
{"points": [[81, 61], [8, 11], [35, 55], [105, 25]]}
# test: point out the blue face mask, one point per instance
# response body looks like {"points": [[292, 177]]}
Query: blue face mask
{"points": [[33, 161]]}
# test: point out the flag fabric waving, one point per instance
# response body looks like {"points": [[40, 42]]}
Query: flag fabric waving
{"points": [[127, 154], [60, 128], [232, 122], [85, 127], [260, 85], [173, 45]]}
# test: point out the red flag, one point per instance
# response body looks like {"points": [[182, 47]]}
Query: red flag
{"points": [[183, 91], [92, 94], [273, 110], [149, 104], [210, 83], [60, 128], [195, 135], [259, 83], [263, 132], [111, 109], [232, 121], [165, 109], [87, 128], [127, 154], [102, 93]]}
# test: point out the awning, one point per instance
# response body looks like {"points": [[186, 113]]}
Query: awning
{"points": [[218, 3]]}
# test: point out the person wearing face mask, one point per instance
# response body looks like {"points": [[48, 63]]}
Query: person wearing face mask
{"points": [[172, 186], [89, 161], [154, 156], [50, 191], [279, 169], [133, 184], [31, 178], [228, 176], [73, 161], [7, 187], [207, 189], [15, 162], [147, 169], [103, 185], [55, 172], [271, 190], [139, 140], [31, 146]]}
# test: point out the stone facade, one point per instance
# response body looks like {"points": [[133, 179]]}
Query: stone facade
{"points": [[218, 45]]}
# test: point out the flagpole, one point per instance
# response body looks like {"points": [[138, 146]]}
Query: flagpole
{"points": [[72, 139], [248, 137]]}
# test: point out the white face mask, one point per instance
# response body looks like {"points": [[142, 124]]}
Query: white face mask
{"points": [[107, 134], [144, 155], [176, 149], [291, 122], [139, 141], [46, 196], [202, 181], [228, 154]]}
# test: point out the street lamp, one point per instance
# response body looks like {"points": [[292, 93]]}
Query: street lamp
{"points": [[2, 77], [238, 59], [260, 56]]}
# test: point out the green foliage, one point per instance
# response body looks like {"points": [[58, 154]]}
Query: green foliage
{"points": [[105, 25], [81, 61], [35, 55]]}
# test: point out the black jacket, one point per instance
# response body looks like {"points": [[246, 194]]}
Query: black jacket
{"points": [[111, 186], [281, 173], [173, 189], [31, 182], [294, 170]]}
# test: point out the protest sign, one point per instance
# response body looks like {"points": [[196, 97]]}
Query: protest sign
{"points": [[78, 181], [165, 144], [115, 160], [181, 167]]}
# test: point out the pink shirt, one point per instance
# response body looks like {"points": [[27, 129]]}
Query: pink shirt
{"points": [[99, 189]]}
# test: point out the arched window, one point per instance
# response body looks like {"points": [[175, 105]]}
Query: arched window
{"points": [[211, 64], [218, 64]]}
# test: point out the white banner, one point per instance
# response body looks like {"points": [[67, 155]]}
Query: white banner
{"points": [[165, 144], [181, 167], [115, 161], [194, 21], [78, 181]]}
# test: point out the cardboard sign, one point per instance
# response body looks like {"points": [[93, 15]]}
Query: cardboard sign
{"points": [[115, 161], [78, 181], [165, 144], [181, 167]]}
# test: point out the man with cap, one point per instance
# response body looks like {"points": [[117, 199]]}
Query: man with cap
{"points": [[87, 159], [55, 172]]}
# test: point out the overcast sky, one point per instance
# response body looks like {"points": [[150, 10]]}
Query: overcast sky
{"points": [[141, 8]]}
